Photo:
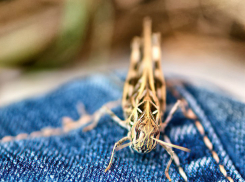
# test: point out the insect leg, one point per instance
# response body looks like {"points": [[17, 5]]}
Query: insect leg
{"points": [[81, 109], [69, 124], [67, 121], [113, 151], [104, 110], [171, 153], [170, 115]]}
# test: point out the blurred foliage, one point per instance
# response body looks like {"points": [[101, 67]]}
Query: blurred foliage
{"points": [[74, 19], [43, 33], [50, 33]]}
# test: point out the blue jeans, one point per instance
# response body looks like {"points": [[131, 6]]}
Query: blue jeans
{"points": [[216, 138]]}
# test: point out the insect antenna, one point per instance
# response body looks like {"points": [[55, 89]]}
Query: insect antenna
{"points": [[171, 145]]}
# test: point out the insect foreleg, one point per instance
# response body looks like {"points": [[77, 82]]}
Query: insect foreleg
{"points": [[69, 124], [170, 115], [81, 109], [171, 153], [120, 142], [105, 110]]}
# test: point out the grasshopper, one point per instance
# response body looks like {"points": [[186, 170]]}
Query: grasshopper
{"points": [[144, 99]]}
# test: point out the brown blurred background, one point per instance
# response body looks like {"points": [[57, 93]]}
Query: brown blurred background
{"points": [[44, 43]]}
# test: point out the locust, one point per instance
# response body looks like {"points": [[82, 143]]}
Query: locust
{"points": [[144, 99]]}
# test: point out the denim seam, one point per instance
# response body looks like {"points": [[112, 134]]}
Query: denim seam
{"points": [[44, 132], [191, 114], [48, 131], [72, 125]]}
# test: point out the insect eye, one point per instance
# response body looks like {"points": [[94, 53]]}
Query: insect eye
{"points": [[137, 135], [156, 134]]}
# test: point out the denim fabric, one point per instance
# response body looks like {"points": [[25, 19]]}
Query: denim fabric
{"points": [[79, 156]]}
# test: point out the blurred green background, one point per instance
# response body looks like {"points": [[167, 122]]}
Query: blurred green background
{"points": [[49, 33], [45, 40]]}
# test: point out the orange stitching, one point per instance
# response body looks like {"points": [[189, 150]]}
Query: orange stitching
{"points": [[209, 145], [45, 132], [70, 125], [199, 127], [215, 156], [191, 115]]}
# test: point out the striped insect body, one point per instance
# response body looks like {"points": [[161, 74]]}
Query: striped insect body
{"points": [[143, 101]]}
